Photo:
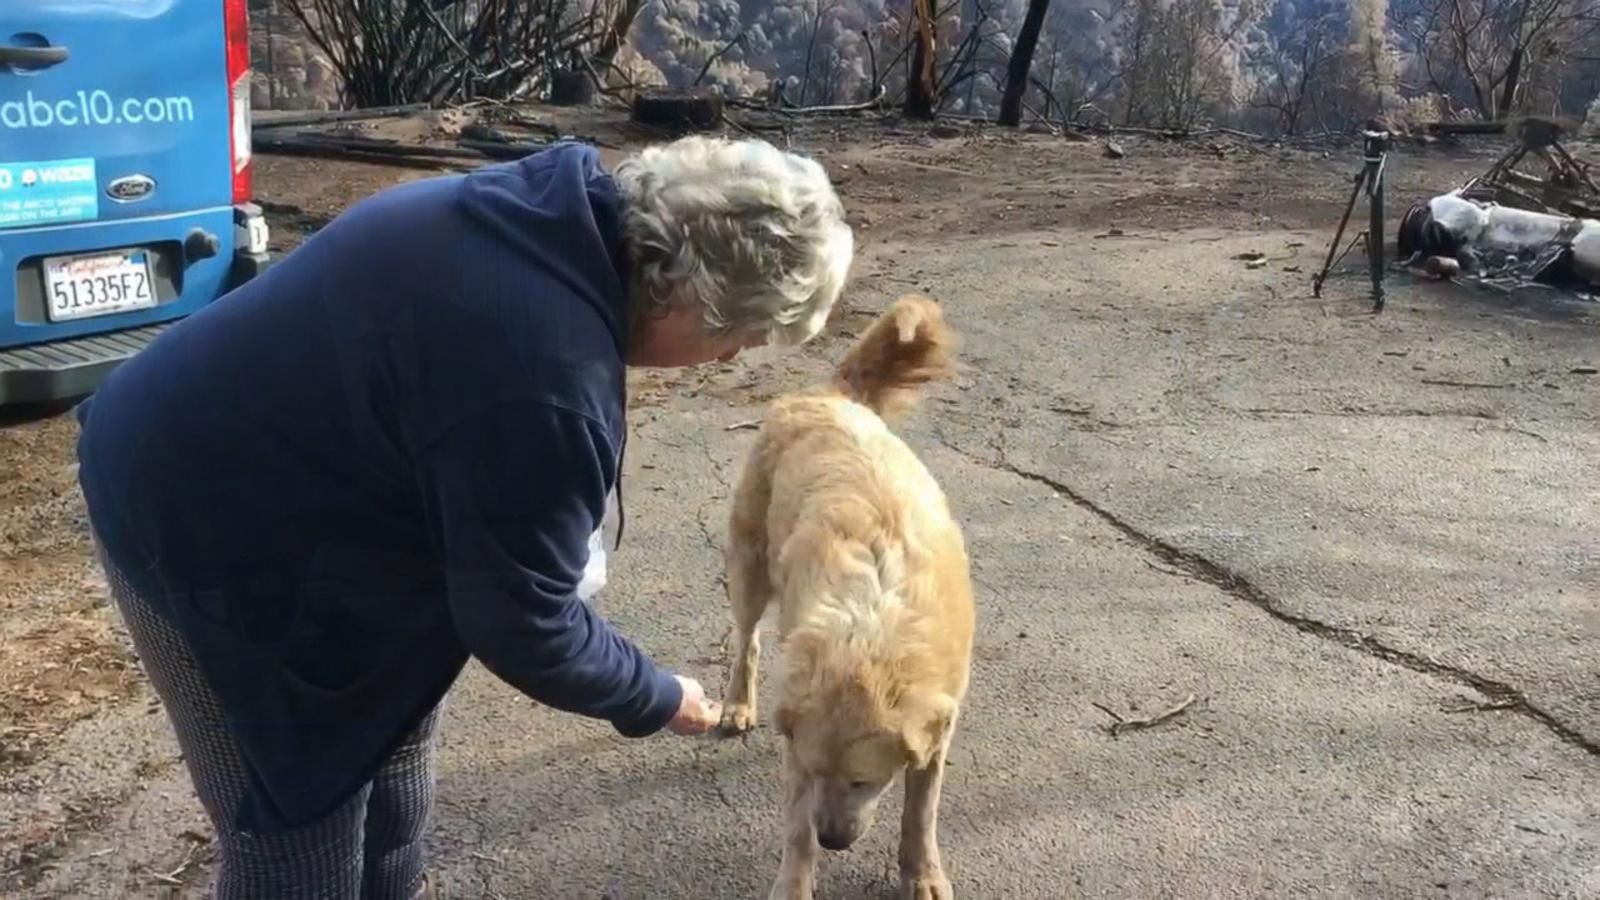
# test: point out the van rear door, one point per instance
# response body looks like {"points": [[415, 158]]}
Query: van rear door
{"points": [[112, 110]]}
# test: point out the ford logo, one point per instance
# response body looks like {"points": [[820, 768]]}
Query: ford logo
{"points": [[131, 188]]}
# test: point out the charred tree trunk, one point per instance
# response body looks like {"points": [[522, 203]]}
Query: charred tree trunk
{"points": [[811, 47], [616, 34], [920, 90], [1513, 75], [1021, 63], [1133, 74]]}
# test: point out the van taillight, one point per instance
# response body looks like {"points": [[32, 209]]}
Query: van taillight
{"points": [[236, 19]]}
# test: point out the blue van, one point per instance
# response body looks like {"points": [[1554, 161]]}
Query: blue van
{"points": [[125, 187]]}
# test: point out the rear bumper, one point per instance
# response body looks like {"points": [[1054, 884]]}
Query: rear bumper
{"points": [[48, 368], [61, 370]]}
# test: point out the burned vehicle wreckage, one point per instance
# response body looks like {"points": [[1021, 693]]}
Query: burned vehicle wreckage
{"points": [[1509, 228]]}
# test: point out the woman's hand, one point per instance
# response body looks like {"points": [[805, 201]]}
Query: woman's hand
{"points": [[696, 714]]}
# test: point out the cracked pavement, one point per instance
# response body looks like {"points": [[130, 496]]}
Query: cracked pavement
{"points": [[1368, 546], [1497, 695]]}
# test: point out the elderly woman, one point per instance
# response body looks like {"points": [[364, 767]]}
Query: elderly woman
{"points": [[316, 498]]}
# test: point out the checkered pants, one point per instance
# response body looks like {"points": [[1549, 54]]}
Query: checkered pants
{"points": [[370, 848]]}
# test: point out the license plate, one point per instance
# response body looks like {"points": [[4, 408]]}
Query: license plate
{"points": [[100, 284]]}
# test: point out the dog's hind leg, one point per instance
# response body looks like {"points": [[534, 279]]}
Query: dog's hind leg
{"points": [[749, 592], [921, 871], [798, 871]]}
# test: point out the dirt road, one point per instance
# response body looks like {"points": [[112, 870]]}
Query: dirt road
{"points": [[1368, 547]]}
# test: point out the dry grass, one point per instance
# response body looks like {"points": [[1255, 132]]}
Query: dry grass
{"points": [[60, 658]]}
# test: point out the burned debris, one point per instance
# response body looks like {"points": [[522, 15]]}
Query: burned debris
{"points": [[678, 112], [1565, 187], [1501, 244], [1511, 227]]}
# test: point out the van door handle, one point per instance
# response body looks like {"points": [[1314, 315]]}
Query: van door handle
{"points": [[32, 57]]}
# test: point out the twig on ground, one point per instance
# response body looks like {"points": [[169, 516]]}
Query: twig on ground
{"points": [[1480, 706], [778, 109], [949, 170], [502, 150], [174, 877], [753, 127], [738, 126], [270, 119], [1121, 724], [1107, 710], [741, 426], [1166, 571], [532, 124], [365, 150], [1446, 382], [863, 106], [1526, 433]]}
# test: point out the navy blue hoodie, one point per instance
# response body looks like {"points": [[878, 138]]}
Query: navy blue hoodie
{"points": [[383, 455]]}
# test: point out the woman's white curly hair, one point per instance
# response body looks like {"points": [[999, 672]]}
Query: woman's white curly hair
{"points": [[754, 235]]}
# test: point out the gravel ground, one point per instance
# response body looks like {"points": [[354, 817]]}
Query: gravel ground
{"points": [[1365, 545]]}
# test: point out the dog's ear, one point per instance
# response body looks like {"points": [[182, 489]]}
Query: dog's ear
{"points": [[926, 726], [801, 650]]}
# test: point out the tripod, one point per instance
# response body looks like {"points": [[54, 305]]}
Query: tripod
{"points": [[1374, 155]]}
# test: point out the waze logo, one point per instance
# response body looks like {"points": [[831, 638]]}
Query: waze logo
{"points": [[29, 178]]}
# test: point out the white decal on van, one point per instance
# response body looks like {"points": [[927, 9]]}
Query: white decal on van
{"points": [[48, 193], [92, 108]]}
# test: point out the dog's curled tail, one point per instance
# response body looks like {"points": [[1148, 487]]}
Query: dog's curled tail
{"points": [[907, 347]]}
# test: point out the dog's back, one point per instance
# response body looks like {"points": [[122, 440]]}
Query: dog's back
{"points": [[855, 521]]}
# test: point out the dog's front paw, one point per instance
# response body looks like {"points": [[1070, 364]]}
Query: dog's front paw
{"points": [[738, 718], [929, 886]]}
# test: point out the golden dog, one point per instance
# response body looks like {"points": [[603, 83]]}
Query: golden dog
{"points": [[837, 521]]}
